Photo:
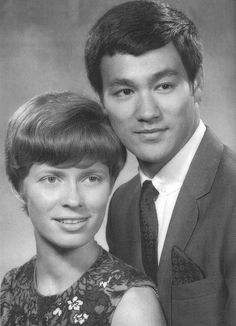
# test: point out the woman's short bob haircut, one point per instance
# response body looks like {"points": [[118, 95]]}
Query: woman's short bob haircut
{"points": [[60, 129]]}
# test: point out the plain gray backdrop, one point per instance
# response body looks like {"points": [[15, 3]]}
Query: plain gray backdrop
{"points": [[41, 49]]}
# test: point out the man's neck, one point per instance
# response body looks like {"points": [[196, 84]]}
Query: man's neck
{"points": [[150, 169], [188, 150]]}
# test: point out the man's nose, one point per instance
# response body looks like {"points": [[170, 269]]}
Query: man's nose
{"points": [[72, 196], [147, 107]]}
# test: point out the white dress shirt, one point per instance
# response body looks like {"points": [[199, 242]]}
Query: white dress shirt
{"points": [[169, 180]]}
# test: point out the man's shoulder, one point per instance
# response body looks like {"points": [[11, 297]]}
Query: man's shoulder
{"points": [[212, 159], [211, 141], [229, 158], [227, 166], [213, 167], [127, 187]]}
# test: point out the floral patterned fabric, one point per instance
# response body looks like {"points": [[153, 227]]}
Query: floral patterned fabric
{"points": [[91, 300]]}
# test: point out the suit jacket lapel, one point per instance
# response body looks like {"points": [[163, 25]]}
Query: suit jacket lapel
{"points": [[184, 219]]}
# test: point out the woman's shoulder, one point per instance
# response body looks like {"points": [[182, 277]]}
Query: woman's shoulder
{"points": [[16, 274], [128, 290], [120, 273], [139, 306], [14, 285]]}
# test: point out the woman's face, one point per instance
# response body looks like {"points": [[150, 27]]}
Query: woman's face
{"points": [[66, 205]]}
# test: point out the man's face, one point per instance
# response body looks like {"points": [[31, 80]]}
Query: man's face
{"points": [[151, 104]]}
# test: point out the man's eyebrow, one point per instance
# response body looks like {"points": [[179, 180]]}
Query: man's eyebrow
{"points": [[154, 77], [121, 82], [163, 73]]}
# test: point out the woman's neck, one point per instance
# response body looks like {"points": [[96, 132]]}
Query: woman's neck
{"points": [[57, 269]]}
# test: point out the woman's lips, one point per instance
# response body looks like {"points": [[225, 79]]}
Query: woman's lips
{"points": [[72, 220]]}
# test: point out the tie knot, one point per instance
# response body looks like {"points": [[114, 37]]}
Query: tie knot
{"points": [[149, 192]]}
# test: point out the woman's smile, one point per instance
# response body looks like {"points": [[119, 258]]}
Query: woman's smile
{"points": [[67, 205]]}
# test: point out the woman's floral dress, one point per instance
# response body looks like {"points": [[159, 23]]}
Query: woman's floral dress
{"points": [[91, 300]]}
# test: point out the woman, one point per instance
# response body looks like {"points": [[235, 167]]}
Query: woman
{"points": [[62, 158]]}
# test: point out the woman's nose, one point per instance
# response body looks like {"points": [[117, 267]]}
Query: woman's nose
{"points": [[72, 196]]}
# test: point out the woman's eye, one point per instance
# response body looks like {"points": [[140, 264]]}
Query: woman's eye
{"points": [[49, 179], [93, 179]]}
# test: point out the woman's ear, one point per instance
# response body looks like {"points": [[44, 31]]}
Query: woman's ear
{"points": [[18, 195], [198, 86]]}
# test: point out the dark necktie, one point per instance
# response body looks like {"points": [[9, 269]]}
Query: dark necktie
{"points": [[149, 229]]}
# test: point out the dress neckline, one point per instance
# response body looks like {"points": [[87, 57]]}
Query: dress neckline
{"points": [[96, 263]]}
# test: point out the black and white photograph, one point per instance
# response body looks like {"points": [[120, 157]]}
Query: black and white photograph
{"points": [[118, 162]]}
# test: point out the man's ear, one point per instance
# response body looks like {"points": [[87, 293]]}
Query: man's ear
{"points": [[198, 86], [102, 104]]}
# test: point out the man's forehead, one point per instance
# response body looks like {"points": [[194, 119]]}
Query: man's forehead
{"points": [[154, 64]]}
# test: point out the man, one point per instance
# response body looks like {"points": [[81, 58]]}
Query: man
{"points": [[144, 59]]}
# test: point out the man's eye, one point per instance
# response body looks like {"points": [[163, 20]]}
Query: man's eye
{"points": [[165, 87], [124, 92]]}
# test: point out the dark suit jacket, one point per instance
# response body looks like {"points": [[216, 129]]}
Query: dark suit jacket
{"points": [[203, 226]]}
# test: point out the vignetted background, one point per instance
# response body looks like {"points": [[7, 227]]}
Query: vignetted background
{"points": [[41, 49]]}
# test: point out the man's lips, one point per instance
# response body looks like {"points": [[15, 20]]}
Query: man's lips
{"points": [[150, 131]]}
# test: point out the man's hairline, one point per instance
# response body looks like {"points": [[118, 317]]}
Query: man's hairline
{"points": [[101, 93]]}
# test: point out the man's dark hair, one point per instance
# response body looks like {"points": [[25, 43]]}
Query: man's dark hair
{"points": [[136, 27]]}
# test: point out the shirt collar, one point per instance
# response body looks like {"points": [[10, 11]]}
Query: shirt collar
{"points": [[172, 175]]}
